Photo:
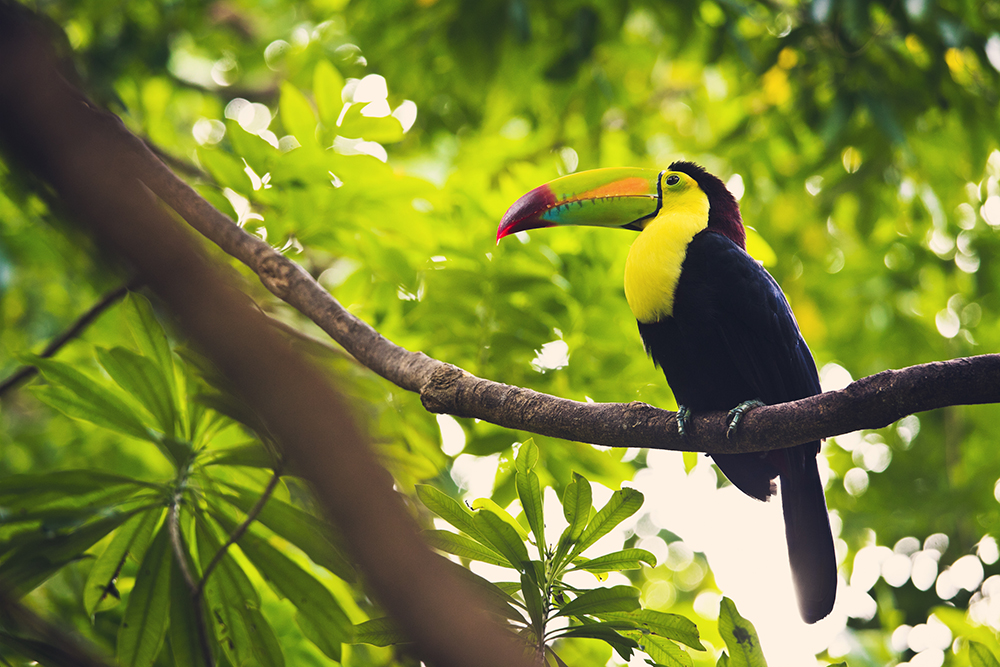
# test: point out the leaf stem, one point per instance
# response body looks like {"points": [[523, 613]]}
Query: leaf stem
{"points": [[177, 542], [240, 529]]}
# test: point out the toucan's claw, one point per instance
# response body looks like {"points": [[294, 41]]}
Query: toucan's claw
{"points": [[683, 420], [736, 414]]}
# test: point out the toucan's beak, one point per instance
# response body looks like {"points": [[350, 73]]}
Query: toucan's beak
{"points": [[618, 197]]}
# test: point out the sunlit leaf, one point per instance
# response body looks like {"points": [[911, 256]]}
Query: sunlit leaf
{"points": [[740, 637], [599, 600], [623, 504], [626, 559], [463, 547], [80, 397], [132, 537], [141, 378], [502, 537], [147, 613]]}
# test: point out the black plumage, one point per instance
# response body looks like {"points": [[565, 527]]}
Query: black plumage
{"points": [[732, 337]]}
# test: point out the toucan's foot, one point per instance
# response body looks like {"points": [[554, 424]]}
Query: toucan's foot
{"points": [[736, 414], [683, 420]]}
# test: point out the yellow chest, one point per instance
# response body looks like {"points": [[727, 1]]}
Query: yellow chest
{"points": [[654, 261]]}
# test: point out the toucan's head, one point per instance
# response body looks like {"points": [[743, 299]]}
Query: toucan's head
{"points": [[628, 198]]}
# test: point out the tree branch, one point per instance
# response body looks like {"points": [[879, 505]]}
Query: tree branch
{"points": [[872, 402], [272, 484], [27, 372], [51, 129]]}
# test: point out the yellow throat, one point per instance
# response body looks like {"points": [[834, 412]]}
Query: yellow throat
{"points": [[654, 261]]}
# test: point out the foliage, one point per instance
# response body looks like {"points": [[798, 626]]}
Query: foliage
{"points": [[861, 136]]}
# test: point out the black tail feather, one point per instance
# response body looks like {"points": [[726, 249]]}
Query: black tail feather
{"points": [[810, 541]]}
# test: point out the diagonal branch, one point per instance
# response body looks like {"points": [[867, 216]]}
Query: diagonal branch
{"points": [[872, 402], [27, 372]]}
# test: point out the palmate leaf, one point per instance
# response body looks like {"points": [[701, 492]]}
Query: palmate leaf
{"points": [[31, 490], [35, 556], [149, 336], [253, 455], [185, 643], [740, 637], [234, 606], [321, 617], [147, 613], [132, 537], [140, 378], [81, 397], [313, 536]]}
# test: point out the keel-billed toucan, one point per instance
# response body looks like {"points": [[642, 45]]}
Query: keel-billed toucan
{"points": [[716, 323]]}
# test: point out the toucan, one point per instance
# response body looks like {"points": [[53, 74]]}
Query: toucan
{"points": [[717, 324]]}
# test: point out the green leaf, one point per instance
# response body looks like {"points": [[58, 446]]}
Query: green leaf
{"points": [[527, 456], [449, 509], [326, 624], [253, 455], [577, 502], [672, 626], [354, 125], [530, 493], [623, 504], [141, 379], [38, 555], [723, 660], [183, 635], [980, 656], [234, 606], [624, 646], [626, 559], [327, 85], [296, 114], [616, 598], [502, 537], [78, 396], [463, 547], [378, 632], [313, 536], [491, 505], [34, 488], [533, 602], [147, 613], [665, 652], [740, 637], [99, 592], [149, 335]]}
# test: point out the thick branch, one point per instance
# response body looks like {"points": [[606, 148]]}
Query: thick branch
{"points": [[871, 402], [56, 133]]}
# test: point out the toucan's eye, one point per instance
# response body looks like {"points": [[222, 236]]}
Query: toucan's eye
{"points": [[673, 179]]}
